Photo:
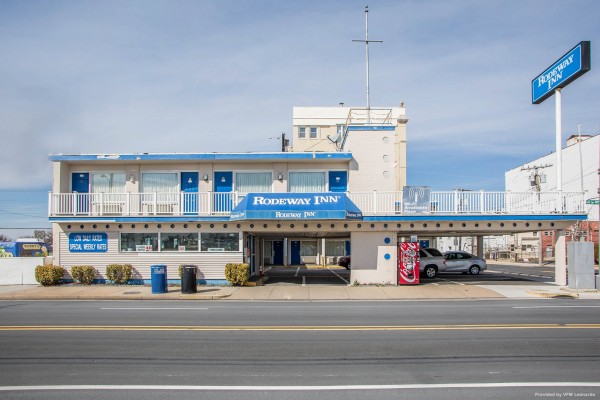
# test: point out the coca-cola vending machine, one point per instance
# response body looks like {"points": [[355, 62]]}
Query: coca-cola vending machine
{"points": [[408, 263]]}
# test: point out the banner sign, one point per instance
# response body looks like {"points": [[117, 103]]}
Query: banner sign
{"points": [[88, 242], [564, 71], [416, 199], [409, 263], [296, 206]]}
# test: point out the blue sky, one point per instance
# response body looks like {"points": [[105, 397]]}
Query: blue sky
{"points": [[204, 76]]}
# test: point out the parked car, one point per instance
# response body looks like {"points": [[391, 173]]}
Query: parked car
{"points": [[432, 261], [461, 261], [344, 261]]}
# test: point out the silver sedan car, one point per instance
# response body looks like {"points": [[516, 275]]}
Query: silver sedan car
{"points": [[461, 261]]}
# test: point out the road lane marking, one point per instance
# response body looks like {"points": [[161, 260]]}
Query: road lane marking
{"points": [[525, 307], [291, 328], [339, 276], [301, 388], [154, 308], [297, 272]]}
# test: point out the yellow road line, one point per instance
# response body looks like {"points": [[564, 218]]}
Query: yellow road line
{"points": [[295, 328]]}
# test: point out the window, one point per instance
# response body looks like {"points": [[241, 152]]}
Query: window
{"points": [[108, 182], [306, 182], [302, 132], [308, 248], [178, 242], [160, 182], [254, 182], [313, 132], [139, 241], [220, 242], [335, 248]]}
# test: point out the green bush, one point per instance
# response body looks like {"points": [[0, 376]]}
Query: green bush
{"points": [[85, 274], [237, 274], [49, 275], [119, 273]]}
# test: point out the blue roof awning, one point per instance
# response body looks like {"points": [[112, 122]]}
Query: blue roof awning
{"points": [[302, 206]]}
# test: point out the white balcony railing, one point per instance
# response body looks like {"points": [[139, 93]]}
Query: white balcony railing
{"points": [[370, 203]]}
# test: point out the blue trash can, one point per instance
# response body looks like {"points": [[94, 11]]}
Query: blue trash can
{"points": [[159, 278]]}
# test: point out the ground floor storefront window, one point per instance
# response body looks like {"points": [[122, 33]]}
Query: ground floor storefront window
{"points": [[220, 242], [162, 241]]}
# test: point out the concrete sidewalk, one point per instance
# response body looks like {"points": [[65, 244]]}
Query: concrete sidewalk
{"points": [[429, 291]]}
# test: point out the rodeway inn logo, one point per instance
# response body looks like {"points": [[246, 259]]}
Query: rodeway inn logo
{"points": [[305, 201]]}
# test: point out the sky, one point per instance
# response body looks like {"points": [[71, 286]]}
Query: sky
{"points": [[223, 75]]}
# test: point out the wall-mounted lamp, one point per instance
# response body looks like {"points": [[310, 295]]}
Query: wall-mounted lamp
{"points": [[205, 177], [337, 179], [223, 180], [132, 178], [190, 179], [280, 176]]}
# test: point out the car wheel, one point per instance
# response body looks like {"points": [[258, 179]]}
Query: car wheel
{"points": [[347, 266], [474, 270], [430, 272]]}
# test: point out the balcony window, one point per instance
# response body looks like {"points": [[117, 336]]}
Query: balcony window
{"points": [[108, 182], [306, 182], [254, 182], [160, 182]]}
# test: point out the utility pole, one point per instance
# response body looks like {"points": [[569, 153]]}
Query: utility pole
{"points": [[366, 42], [284, 142]]}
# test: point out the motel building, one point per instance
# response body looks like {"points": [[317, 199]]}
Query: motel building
{"points": [[340, 189]]}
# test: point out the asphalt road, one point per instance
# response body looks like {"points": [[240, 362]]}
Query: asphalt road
{"points": [[299, 350]]}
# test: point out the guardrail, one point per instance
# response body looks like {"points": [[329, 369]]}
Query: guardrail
{"points": [[370, 203]]}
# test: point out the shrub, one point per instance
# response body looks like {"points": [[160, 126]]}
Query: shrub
{"points": [[85, 274], [49, 275], [119, 273], [237, 274]]}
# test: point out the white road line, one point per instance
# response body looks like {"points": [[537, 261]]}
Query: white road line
{"points": [[456, 283], [524, 307], [339, 276], [301, 388], [297, 271], [154, 308], [303, 280]]}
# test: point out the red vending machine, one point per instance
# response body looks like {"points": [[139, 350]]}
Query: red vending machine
{"points": [[408, 263]]}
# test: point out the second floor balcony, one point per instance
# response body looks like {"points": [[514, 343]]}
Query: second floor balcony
{"points": [[370, 203]]}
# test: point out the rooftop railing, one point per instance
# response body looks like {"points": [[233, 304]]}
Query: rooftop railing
{"points": [[370, 203]]}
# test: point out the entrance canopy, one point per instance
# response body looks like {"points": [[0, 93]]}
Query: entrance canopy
{"points": [[296, 206]]}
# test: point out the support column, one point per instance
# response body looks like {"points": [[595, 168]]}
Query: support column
{"points": [[540, 248], [480, 252], [560, 259]]}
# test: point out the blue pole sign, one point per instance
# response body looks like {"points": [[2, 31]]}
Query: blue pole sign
{"points": [[88, 242], [564, 71]]}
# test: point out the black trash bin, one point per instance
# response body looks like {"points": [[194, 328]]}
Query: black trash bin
{"points": [[188, 279]]}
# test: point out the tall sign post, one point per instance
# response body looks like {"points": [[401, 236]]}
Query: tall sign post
{"points": [[565, 70]]}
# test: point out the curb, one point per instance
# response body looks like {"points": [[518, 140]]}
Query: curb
{"points": [[553, 295]]}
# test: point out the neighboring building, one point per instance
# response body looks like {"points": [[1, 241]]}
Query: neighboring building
{"points": [[580, 173]]}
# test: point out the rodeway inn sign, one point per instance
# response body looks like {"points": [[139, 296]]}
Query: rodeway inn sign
{"points": [[281, 206], [564, 71]]}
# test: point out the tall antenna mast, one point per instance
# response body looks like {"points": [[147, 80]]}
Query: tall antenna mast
{"points": [[366, 42]]}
